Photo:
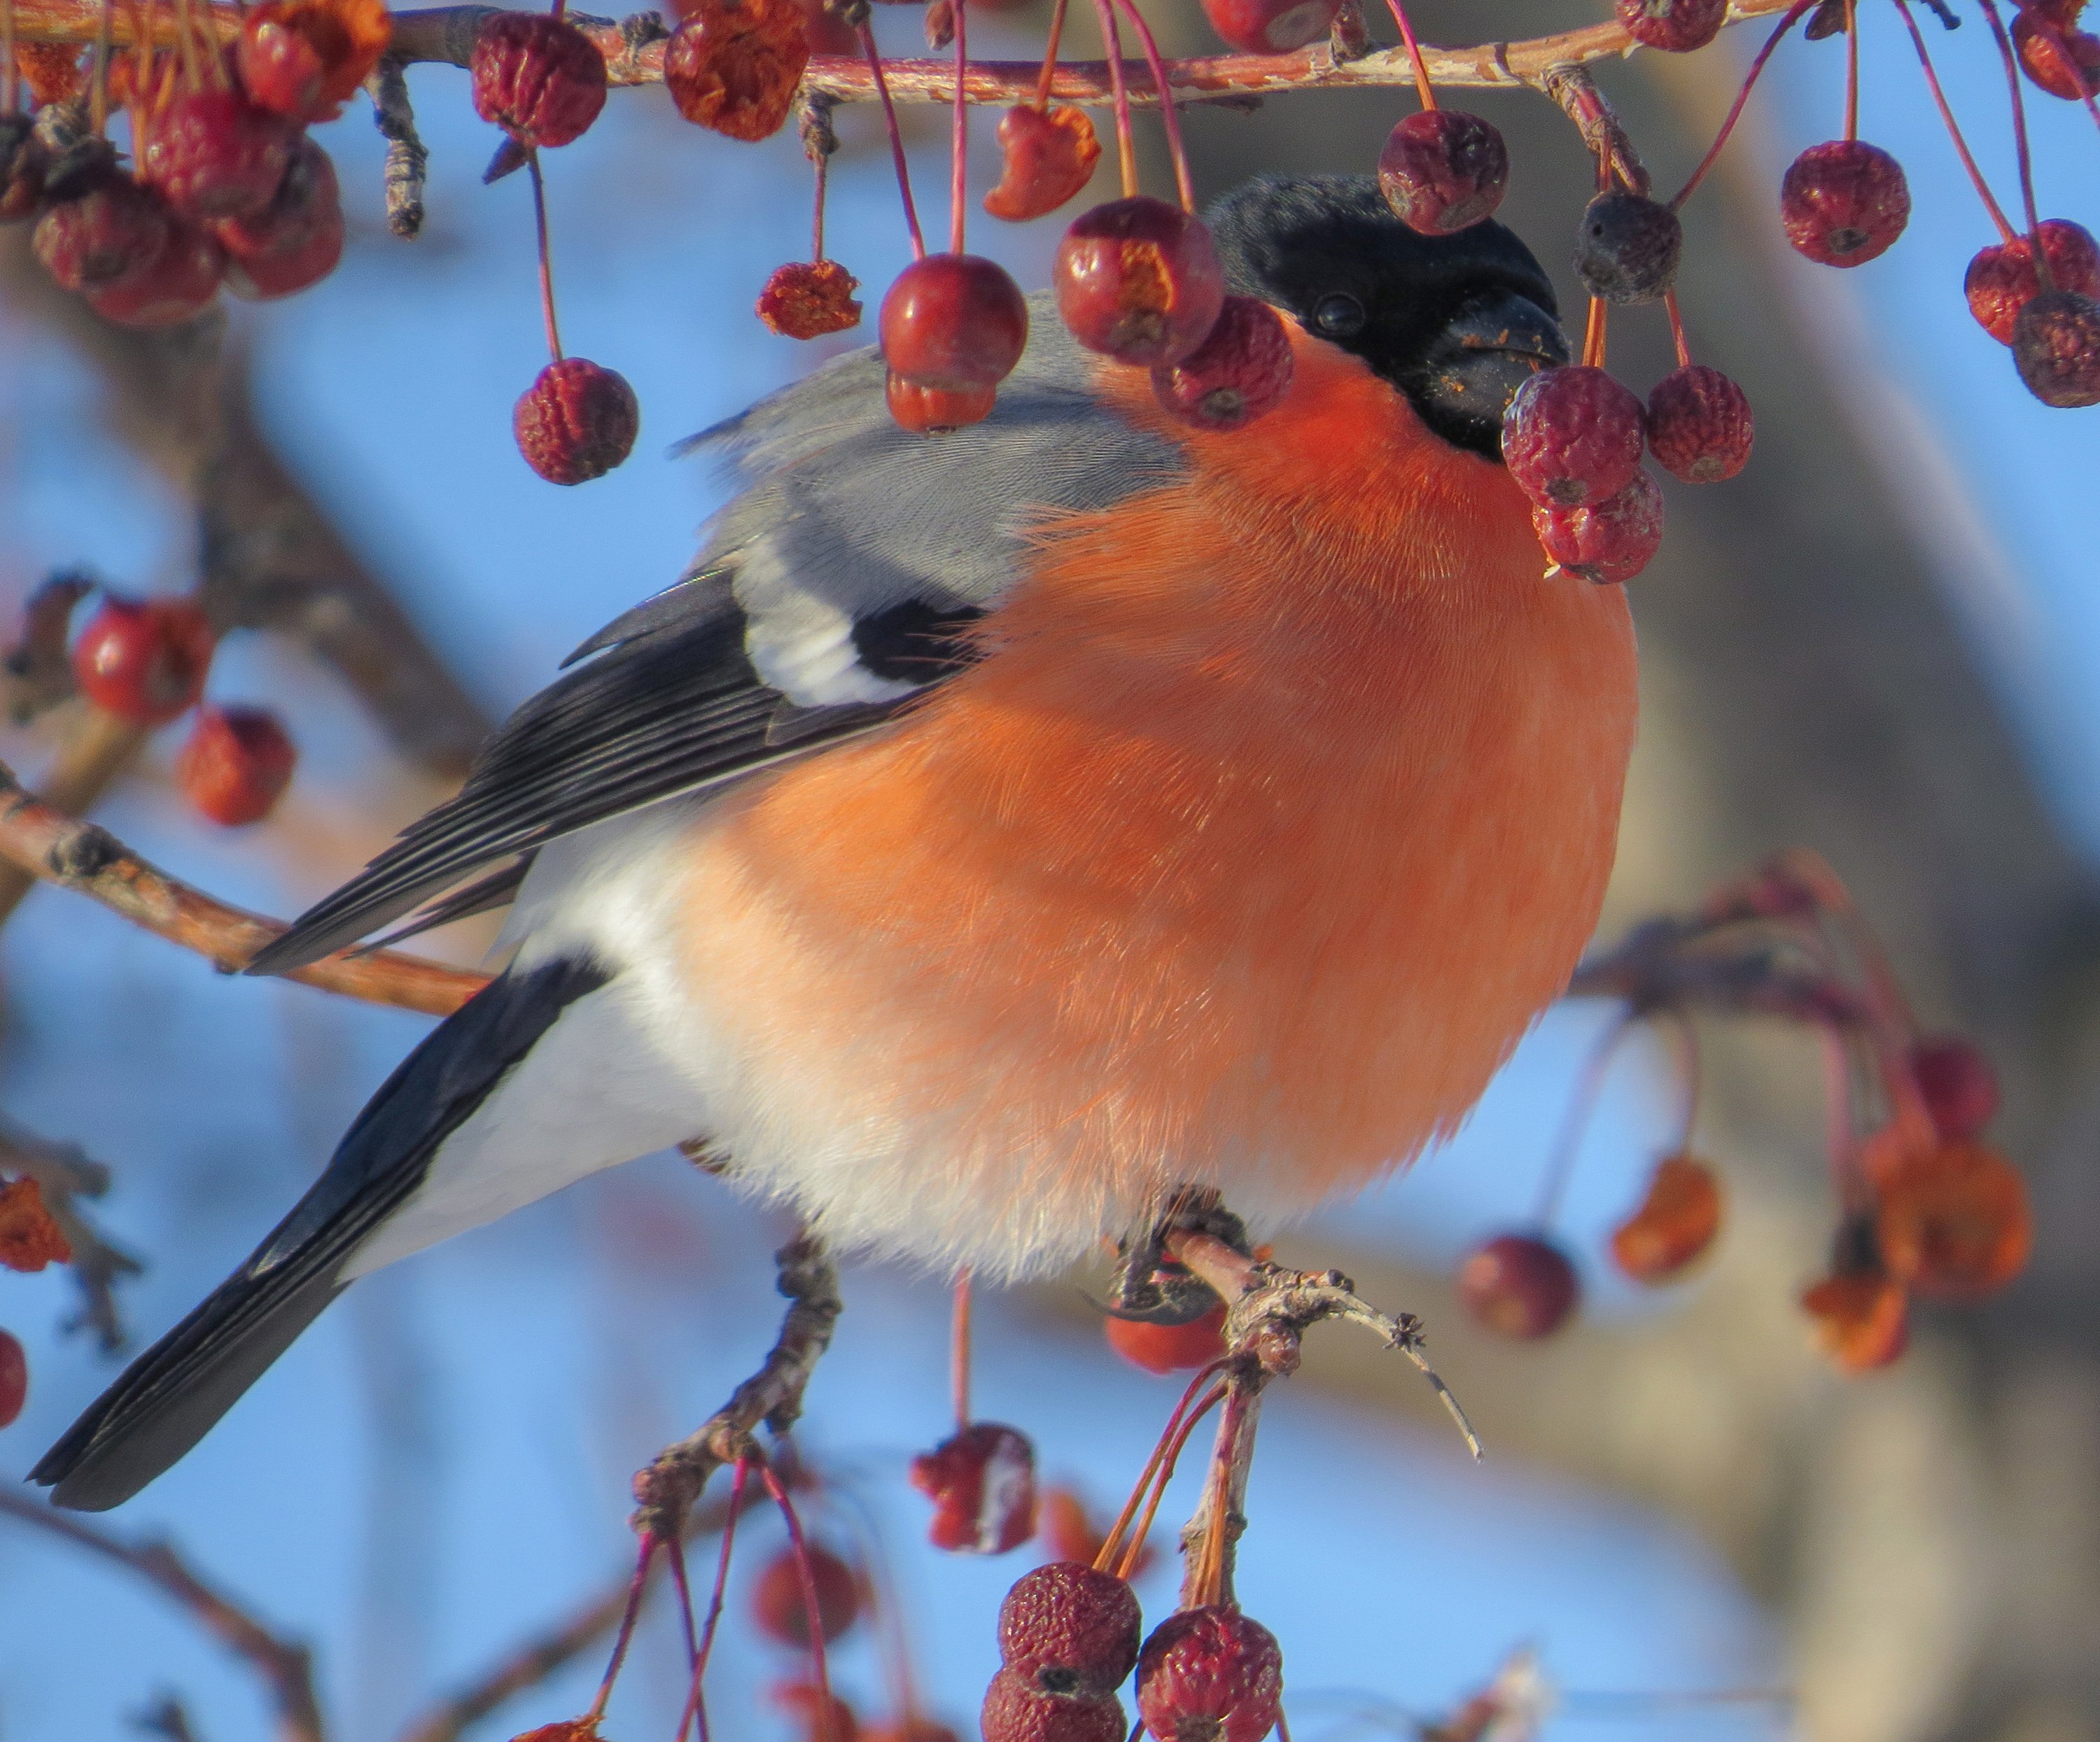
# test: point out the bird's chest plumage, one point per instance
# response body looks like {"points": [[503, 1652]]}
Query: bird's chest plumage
{"points": [[1279, 804]]}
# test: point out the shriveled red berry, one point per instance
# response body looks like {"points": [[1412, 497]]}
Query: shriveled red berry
{"points": [[1016, 1710], [179, 285], [109, 233], [1139, 280], [937, 411], [22, 160], [982, 1483], [537, 77], [576, 421], [2001, 279], [828, 32], [1675, 1224], [1517, 1285], [1959, 1088], [2071, 71], [14, 1378], [1844, 203], [1070, 1630], [733, 65], [1572, 435], [1168, 1349], [1210, 1675], [1443, 170], [954, 320], [1675, 26], [214, 154], [144, 660], [2056, 348], [306, 58], [1862, 1319], [1242, 370], [1954, 1222], [807, 298], [1607, 542], [778, 1602], [1699, 424], [235, 765], [53, 71], [1270, 27], [294, 241], [1627, 248], [820, 1714], [30, 1236], [1048, 155]]}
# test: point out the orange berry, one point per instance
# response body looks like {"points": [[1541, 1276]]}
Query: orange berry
{"points": [[1169, 1348], [1862, 1320], [733, 65], [1676, 1222], [1954, 1221], [807, 298], [1049, 156]]}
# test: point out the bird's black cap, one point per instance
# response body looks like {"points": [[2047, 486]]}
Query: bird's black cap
{"points": [[1457, 323]]}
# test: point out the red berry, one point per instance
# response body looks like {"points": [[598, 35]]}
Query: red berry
{"points": [[1210, 1675], [54, 72], [235, 765], [982, 1485], [954, 320], [1676, 26], [733, 65], [111, 232], [1844, 203], [14, 1378], [2071, 72], [1572, 435], [1070, 1630], [1675, 1224], [1954, 1221], [2056, 347], [537, 77], [777, 1603], [576, 421], [1862, 1319], [22, 160], [1627, 249], [1139, 280], [2001, 279], [1242, 370], [1608, 541], [1518, 1286], [822, 1716], [938, 411], [1169, 1348], [1015, 1710], [1699, 424], [807, 298], [294, 241], [828, 34], [304, 58], [1443, 170], [1049, 155], [143, 661], [1959, 1086], [181, 282], [215, 155], [30, 1236], [1270, 27]]}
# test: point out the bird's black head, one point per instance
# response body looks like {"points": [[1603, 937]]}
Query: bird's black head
{"points": [[1457, 323]]}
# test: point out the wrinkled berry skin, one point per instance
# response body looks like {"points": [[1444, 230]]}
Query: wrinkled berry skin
{"points": [[1241, 371], [235, 765], [1606, 542], [2056, 347], [733, 65], [1627, 248], [982, 1483], [296, 240], [1572, 435], [100, 238], [1270, 27], [1016, 1710], [537, 77], [805, 299], [1677, 26], [937, 411], [1844, 203], [576, 421], [144, 660], [180, 284], [1139, 280], [1210, 1675], [2001, 279], [1048, 156], [1959, 1088], [954, 320], [215, 155], [305, 59], [2045, 63], [1070, 1630], [1699, 428], [1518, 1286], [1443, 170]]}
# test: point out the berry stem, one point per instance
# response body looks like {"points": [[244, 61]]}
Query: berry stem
{"points": [[1050, 55], [675, 1551], [1134, 1549], [1735, 110], [1209, 1540], [959, 156], [625, 1637], [959, 1337], [98, 101], [896, 139], [1422, 88], [1690, 1064], [2020, 139], [819, 1671], [546, 259], [817, 218], [1589, 1086], [1126, 142], [695, 1709], [2005, 231], [1677, 329], [1593, 333], [1169, 115], [1109, 1552], [1851, 70]]}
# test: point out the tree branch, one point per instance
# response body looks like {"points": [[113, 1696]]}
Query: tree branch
{"points": [[65, 1174]]}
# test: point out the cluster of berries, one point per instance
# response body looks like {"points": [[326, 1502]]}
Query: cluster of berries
{"points": [[226, 188], [30, 1238]]}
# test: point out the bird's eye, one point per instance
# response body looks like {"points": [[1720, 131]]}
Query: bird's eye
{"points": [[1339, 316]]}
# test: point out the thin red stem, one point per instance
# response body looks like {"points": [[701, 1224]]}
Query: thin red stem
{"points": [[959, 1333], [1594, 333], [546, 261], [1851, 69], [625, 1637], [896, 140], [1743, 96], [676, 1550], [2005, 231], [695, 1709], [1677, 329], [1135, 1548], [2012, 60], [1169, 113], [1422, 85], [958, 147], [1687, 1041], [1050, 55], [800, 1548], [1580, 1106], [1126, 141], [1113, 1540]]}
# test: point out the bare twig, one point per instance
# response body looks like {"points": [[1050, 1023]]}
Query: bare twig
{"points": [[36, 673], [286, 1669], [1602, 130], [166, 1718], [407, 158], [48, 844], [97, 747], [65, 1174]]}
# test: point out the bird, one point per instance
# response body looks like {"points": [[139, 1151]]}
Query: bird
{"points": [[994, 833]]}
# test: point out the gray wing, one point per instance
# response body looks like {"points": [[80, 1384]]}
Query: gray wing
{"points": [[828, 594]]}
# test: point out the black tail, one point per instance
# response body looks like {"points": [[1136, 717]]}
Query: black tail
{"points": [[172, 1394]]}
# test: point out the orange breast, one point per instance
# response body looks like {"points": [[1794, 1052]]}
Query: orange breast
{"points": [[1283, 802]]}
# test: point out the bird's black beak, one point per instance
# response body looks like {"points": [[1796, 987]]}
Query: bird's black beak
{"points": [[1498, 341]]}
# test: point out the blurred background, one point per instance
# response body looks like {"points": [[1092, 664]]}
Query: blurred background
{"points": [[1878, 643]]}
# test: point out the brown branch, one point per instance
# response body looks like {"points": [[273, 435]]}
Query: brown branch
{"points": [[286, 1669], [65, 1174], [97, 747], [48, 844], [772, 1397], [407, 158]]}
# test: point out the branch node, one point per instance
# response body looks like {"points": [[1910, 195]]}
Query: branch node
{"points": [[407, 158]]}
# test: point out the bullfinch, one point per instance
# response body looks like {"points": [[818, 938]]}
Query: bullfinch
{"points": [[994, 832]]}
